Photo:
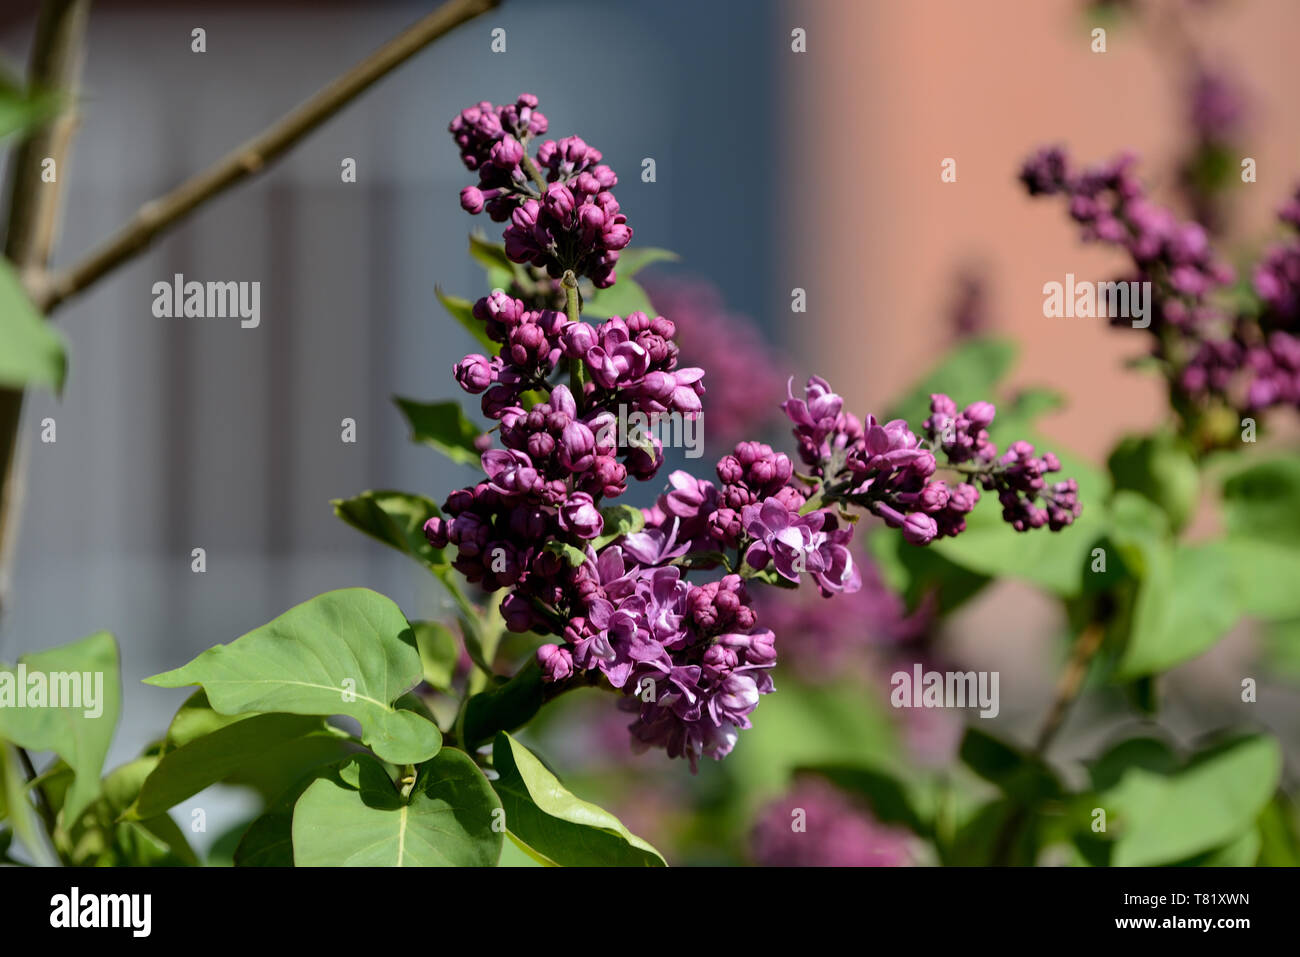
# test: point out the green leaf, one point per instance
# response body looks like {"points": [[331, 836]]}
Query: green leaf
{"points": [[1163, 818], [1148, 753], [554, 823], [829, 723], [977, 839], [503, 707], [632, 261], [501, 272], [488, 254], [1019, 416], [895, 797], [153, 839], [268, 841], [239, 743], [1189, 599], [1138, 526], [1265, 577], [22, 110], [1161, 468], [348, 652], [462, 310], [968, 374], [80, 735], [439, 652], [713, 558], [1279, 830], [1016, 772], [481, 630], [570, 553], [444, 426], [621, 299], [515, 853], [21, 813], [1281, 651], [1241, 852], [32, 351], [916, 573], [1263, 501], [394, 518], [448, 820], [620, 520]]}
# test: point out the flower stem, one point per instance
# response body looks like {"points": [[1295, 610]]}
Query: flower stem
{"points": [[43, 807], [534, 173], [1067, 689], [573, 309]]}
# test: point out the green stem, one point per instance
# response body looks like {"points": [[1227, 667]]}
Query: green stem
{"points": [[43, 806], [534, 173], [573, 310], [1067, 689]]}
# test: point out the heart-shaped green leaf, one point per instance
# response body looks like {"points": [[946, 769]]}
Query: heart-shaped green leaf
{"points": [[1162, 818], [968, 373], [394, 518], [621, 299], [84, 677], [358, 818], [462, 310], [33, 352], [632, 261], [1189, 599], [348, 652], [443, 426], [439, 652]]}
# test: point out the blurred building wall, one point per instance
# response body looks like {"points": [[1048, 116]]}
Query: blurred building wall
{"points": [[888, 90]]}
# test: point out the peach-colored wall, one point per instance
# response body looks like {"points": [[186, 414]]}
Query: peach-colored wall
{"points": [[889, 88]]}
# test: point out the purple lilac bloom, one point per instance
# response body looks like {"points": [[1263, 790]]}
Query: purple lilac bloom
{"points": [[1216, 106], [561, 213], [968, 315], [816, 825], [1244, 360], [690, 657]]}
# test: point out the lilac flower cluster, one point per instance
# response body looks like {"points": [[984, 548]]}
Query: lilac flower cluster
{"points": [[1245, 359], [755, 511], [889, 470], [689, 657], [562, 214], [836, 833], [1216, 106], [1017, 476], [1109, 202]]}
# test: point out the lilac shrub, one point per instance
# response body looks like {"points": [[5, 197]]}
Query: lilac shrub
{"points": [[690, 657]]}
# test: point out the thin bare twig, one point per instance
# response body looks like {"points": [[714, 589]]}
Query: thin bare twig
{"points": [[159, 214]]}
